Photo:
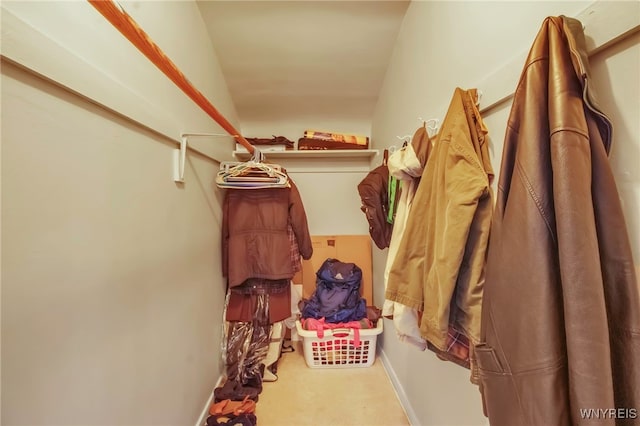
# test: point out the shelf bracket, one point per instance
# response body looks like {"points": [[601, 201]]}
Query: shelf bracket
{"points": [[179, 159]]}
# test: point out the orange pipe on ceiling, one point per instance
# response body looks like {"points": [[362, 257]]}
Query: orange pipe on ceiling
{"points": [[136, 35]]}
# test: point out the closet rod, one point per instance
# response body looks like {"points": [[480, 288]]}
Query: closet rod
{"points": [[132, 31]]}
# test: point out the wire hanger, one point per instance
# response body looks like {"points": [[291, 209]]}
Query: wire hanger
{"points": [[252, 174], [432, 124]]}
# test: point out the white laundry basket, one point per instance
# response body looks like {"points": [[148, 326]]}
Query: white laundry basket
{"points": [[337, 348]]}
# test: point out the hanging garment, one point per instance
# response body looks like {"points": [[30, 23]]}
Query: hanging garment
{"points": [[406, 165], [255, 240], [375, 205], [561, 314], [393, 195], [439, 268], [294, 250], [247, 344], [243, 300], [270, 362]]}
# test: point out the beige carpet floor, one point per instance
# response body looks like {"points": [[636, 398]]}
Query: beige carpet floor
{"points": [[304, 396]]}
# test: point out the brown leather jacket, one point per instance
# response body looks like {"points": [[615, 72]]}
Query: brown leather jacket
{"points": [[255, 243], [561, 312]]}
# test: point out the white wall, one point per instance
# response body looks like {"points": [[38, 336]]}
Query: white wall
{"points": [[443, 45], [329, 187], [332, 202], [111, 288]]}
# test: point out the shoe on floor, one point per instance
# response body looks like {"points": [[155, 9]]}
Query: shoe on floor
{"points": [[235, 392], [227, 407], [247, 419], [254, 382]]}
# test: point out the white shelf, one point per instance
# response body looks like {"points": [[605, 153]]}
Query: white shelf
{"points": [[313, 153], [319, 160]]}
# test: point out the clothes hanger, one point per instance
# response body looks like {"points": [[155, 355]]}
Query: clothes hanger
{"points": [[252, 174], [432, 124]]}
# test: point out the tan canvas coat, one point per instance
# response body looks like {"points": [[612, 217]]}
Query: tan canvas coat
{"points": [[439, 267]]}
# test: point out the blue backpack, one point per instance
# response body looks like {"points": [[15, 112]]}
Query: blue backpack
{"points": [[337, 295]]}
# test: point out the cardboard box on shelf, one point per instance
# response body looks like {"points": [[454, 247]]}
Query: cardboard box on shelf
{"points": [[345, 248]]}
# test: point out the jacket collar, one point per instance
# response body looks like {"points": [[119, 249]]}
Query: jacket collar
{"points": [[580, 59]]}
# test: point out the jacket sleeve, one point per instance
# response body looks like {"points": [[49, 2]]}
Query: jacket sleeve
{"points": [[298, 218], [584, 308], [462, 256]]}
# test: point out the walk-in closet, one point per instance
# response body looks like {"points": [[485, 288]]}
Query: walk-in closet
{"points": [[286, 213]]}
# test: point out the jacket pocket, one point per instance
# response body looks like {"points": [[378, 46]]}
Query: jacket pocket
{"points": [[499, 396], [521, 398], [487, 359]]}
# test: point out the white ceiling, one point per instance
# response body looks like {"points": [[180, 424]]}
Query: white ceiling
{"points": [[293, 59]]}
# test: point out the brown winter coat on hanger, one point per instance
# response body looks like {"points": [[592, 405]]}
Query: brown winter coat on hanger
{"points": [[561, 313], [255, 242]]}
